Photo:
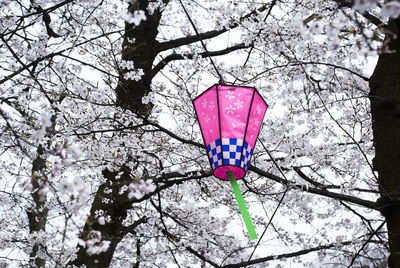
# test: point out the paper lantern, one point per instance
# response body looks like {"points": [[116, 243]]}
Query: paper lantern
{"points": [[230, 118]]}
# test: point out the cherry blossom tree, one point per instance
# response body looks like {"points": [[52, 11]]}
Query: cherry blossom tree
{"points": [[102, 160]]}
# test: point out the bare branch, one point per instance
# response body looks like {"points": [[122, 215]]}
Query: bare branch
{"points": [[297, 63], [206, 35], [322, 192], [173, 57], [286, 255], [51, 55], [131, 228], [365, 243]]}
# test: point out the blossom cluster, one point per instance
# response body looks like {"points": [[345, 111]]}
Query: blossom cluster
{"points": [[134, 75], [154, 5], [138, 190], [45, 122], [76, 188], [389, 9], [94, 244], [134, 18], [126, 64], [101, 217], [149, 98]]}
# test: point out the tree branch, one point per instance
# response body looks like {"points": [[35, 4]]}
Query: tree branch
{"points": [[322, 192], [174, 136], [365, 243], [47, 10], [38, 11], [191, 250], [306, 178], [51, 55], [283, 256], [297, 63], [131, 228], [328, 186], [172, 57], [47, 21], [206, 35], [371, 18]]}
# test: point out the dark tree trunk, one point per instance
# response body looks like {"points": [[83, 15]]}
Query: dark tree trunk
{"points": [[139, 46], [113, 229], [37, 215], [385, 109]]}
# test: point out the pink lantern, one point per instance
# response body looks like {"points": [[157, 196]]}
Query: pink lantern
{"points": [[230, 118]]}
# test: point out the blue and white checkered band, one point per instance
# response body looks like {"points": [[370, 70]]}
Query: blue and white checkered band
{"points": [[230, 153], [215, 154], [247, 152]]}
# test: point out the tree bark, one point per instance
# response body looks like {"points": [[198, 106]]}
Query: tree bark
{"points": [[385, 110], [139, 46], [37, 216], [113, 230]]}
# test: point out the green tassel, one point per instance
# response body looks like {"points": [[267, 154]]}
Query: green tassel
{"points": [[242, 205]]}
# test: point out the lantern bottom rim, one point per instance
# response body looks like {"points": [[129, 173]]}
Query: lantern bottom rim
{"points": [[220, 172]]}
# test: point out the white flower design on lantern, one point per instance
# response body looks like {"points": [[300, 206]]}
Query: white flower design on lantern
{"points": [[204, 103], [212, 105], [230, 109], [258, 109], [256, 122], [207, 119], [238, 104], [230, 95]]}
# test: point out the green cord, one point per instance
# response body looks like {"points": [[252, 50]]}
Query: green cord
{"points": [[242, 205]]}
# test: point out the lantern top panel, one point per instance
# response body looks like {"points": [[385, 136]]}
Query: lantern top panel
{"points": [[230, 87]]}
